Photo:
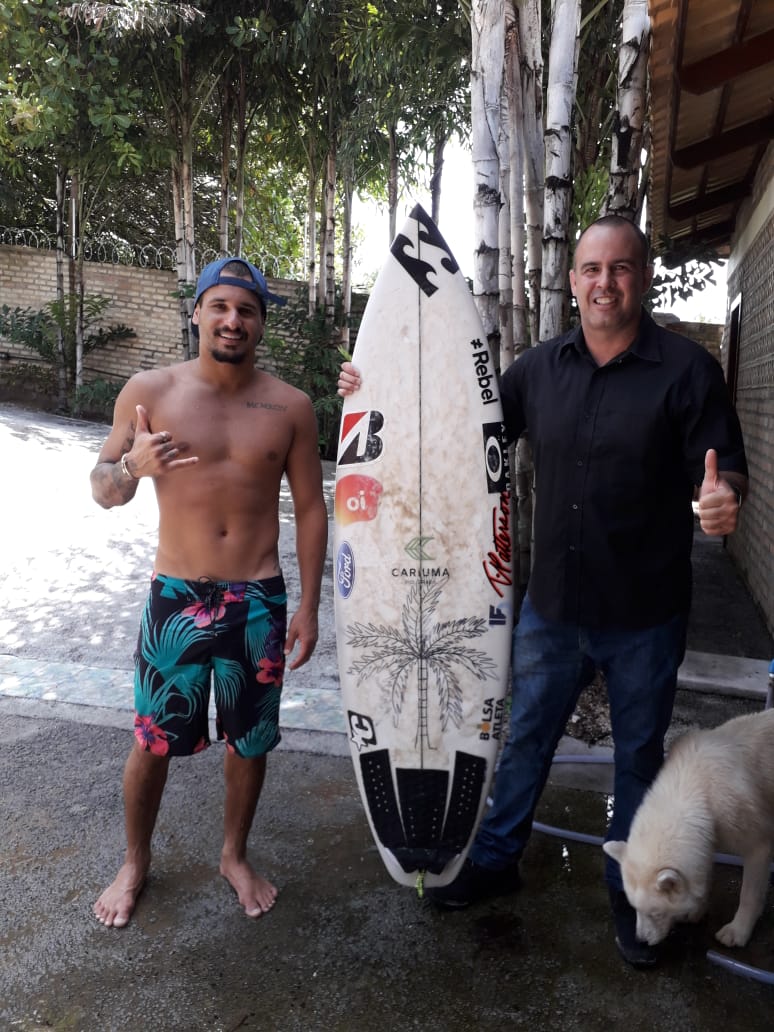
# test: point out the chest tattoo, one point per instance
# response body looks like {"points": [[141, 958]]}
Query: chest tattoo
{"points": [[266, 405]]}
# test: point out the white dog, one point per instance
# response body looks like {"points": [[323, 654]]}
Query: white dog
{"points": [[715, 792]]}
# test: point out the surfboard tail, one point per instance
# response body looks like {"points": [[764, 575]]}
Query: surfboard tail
{"points": [[415, 816]]}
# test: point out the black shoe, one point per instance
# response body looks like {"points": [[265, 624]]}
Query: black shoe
{"points": [[633, 950], [475, 883]]}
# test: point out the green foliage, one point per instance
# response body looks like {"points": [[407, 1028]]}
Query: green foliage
{"points": [[40, 330], [275, 210], [311, 364], [67, 104], [589, 192], [27, 380], [65, 93], [411, 69], [96, 89], [96, 399]]}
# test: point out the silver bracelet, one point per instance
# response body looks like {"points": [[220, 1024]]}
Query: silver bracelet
{"points": [[125, 469]]}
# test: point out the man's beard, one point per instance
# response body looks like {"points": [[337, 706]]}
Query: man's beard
{"points": [[229, 357], [232, 357]]}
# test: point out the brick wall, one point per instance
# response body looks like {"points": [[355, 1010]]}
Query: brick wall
{"points": [[709, 335], [753, 545], [141, 299]]}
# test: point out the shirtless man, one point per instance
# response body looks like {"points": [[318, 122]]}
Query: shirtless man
{"points": [[216, 435]]}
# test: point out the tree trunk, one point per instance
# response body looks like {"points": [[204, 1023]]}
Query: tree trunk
{"points": [[623, 193], [346, 258], [520, 455], [562, 65], [61, 244], [180, 264], [311, 227], [76, 257], [392, 185], [239, 195], [518, 341], [506, 146], [226, 130], [534, 153], [487, 23], [180, 123], [439, 146], [327, 283], [189, 252], [242, 131]]}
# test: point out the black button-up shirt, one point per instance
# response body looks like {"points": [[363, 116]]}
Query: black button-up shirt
{"points": [[617, 450]]}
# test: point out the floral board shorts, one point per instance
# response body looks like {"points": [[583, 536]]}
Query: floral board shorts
{"points": [[197, 633]]}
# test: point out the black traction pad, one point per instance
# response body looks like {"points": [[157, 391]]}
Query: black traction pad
{"points": [[415, 825]]}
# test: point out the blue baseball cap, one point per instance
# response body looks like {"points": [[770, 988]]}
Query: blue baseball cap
{"points": [[211, 275]]}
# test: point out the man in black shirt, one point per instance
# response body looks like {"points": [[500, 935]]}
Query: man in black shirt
{"points": [[626, 422]]}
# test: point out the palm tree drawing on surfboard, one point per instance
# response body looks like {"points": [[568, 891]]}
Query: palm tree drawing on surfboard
{"points": [[435, 651]]}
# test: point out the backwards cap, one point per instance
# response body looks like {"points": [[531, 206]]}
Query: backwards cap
{"points": [[211, 276]]}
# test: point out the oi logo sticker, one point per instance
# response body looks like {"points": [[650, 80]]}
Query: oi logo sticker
{"points": [[357, 499]]}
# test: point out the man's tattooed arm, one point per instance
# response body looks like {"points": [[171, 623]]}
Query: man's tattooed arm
{"points": [[109, 484]]}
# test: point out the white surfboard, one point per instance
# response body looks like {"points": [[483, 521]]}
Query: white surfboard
{"points": [[423, 564]]}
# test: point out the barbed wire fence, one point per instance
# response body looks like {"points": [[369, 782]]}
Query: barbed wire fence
{"points": [[110, 250]]}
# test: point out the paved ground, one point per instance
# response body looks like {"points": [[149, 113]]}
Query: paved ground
{"points": [[345, 948]]}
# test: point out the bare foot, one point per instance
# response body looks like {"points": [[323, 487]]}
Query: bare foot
{"points": [[116, 904], [255, 894]]}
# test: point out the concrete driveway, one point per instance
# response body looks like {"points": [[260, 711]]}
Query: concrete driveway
{"points": [[345, 949]]}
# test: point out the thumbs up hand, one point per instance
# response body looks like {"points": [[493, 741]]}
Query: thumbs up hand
{"points": [[718, 502], [143, 427]]}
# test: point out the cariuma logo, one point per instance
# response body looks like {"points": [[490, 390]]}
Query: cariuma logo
{"points": [[416, 548]]}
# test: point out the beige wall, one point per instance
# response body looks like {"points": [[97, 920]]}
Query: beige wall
{"points": [[142, 299]]}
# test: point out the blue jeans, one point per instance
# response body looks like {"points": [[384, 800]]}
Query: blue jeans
{"points": [[552, 663]]}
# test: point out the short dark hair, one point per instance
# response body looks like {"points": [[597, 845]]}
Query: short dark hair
{"points": [[618, 222]]}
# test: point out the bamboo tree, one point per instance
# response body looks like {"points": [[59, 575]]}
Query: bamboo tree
{"points": [[327, 282], [486, 89], [317, 95], [534, 152], [61, 193], [515, 110], [182, 90], [414, 60], [297, 120], [184, 97], [227, 105], [624, 196], [347, 192], [520, 457], [562, 71], [594, 106]]}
